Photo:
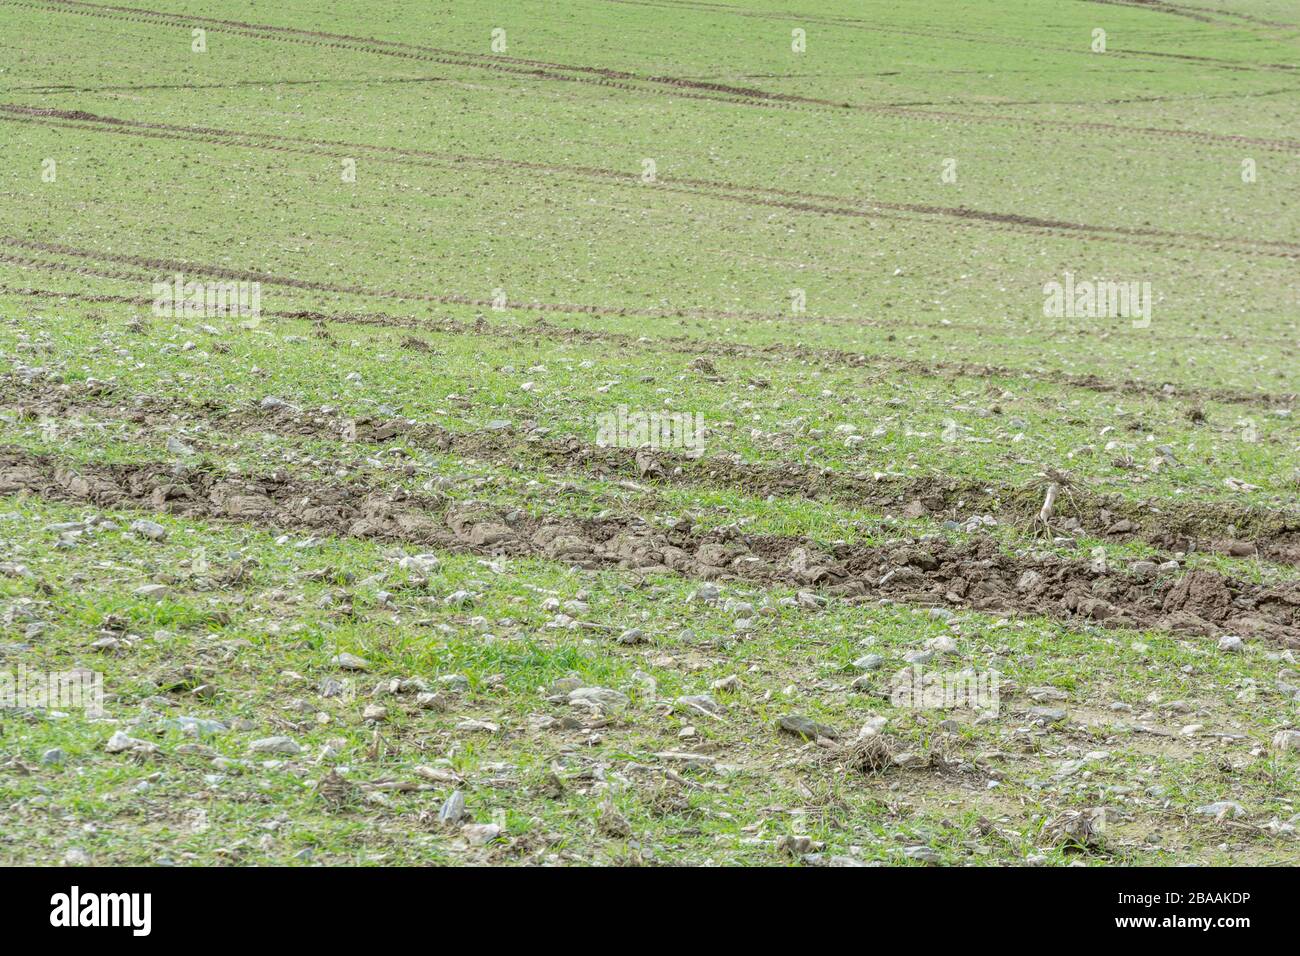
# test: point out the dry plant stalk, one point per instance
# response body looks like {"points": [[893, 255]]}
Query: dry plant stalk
{"points": [[1049, 504]]}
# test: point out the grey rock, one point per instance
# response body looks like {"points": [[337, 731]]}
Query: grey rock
{"points": [[121, 743], [150, 530], [564, 686], [480, 834], [453, 809], [1286, 740], [419, 563], [151, 592], [350, 662], [1044, 694], [707, 593], [922, 853], [699, 703], [601, 697], [942, 645], [794, 845], [806, 727], [275, 745], [200, 726]]}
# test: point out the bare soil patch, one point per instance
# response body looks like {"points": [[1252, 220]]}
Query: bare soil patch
{"points": [[971, 574]]}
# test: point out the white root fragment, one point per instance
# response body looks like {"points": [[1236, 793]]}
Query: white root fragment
{"points": [[1049, 503]]}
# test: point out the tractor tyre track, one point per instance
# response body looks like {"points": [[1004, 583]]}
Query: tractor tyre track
{"points": [[175, 266], [794, 200], [961, 36], [973, 574], [1206, 526], [1201, 14], [678, 87], [688, 345]]}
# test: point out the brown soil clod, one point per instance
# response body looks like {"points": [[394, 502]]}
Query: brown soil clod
{"points": [[973, 574], [1275, 535]]}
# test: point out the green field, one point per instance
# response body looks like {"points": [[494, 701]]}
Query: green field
{"points": [[818, 242]]}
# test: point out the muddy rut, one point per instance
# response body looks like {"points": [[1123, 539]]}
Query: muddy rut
{"points": [[1170, 526], [974, 574]]}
